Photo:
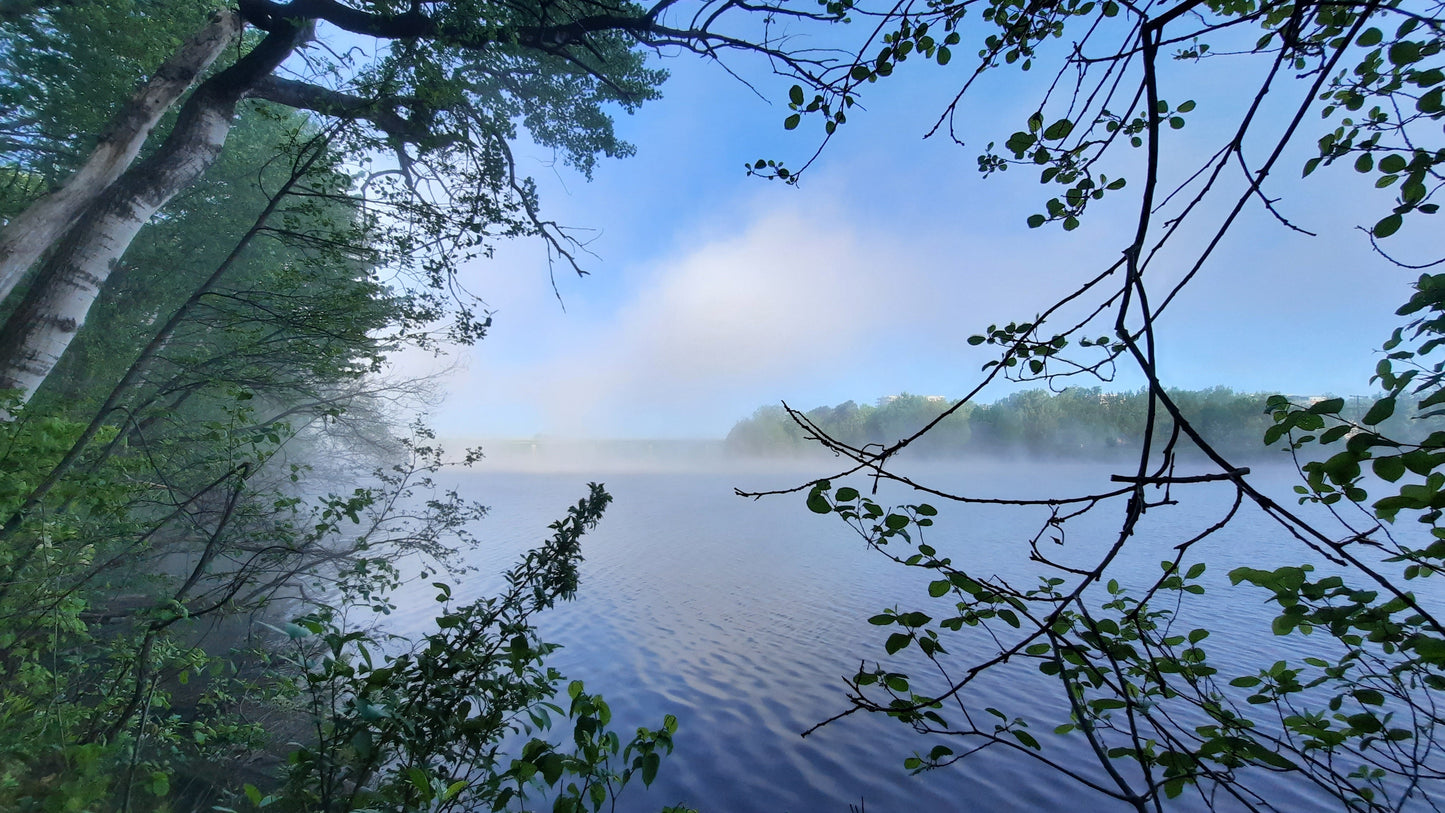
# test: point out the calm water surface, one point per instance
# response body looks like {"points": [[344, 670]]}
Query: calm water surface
{"points": [[741, 616]]}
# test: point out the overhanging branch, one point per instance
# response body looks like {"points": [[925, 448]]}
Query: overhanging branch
{"points": [[336, 104]]}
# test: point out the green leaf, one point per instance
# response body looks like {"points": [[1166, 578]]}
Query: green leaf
{"points": [[422, 782], [1432, 102], [1404, 52], [1387, 226], [1273, 759], [1019, 143], [791, 122], [895, 642], [455, 788], [914, 619], [1382, 410], [795, 94], [1392, 163], [1389, 469], [1369, 697], [1059, 130]]}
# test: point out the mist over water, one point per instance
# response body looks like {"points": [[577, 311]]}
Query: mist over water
{"points": [[741, 617], [560, 455]]}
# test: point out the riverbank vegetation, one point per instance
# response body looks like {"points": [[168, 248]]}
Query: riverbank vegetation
{"points": [[1077, 423], [209, 485]]}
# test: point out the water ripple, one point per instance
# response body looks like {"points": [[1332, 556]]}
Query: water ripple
{"points": [[740, 617]]}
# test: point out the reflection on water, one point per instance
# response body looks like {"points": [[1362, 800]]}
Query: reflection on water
{"points": [[740, 617]]}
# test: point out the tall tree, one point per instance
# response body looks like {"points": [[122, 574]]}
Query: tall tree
{"points": [[443, 96], [37, 132], [157, 498]]}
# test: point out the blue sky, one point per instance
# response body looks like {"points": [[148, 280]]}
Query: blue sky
{"points": [[712, 293]]}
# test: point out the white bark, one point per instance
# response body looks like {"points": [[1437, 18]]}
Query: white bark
{"points": [[70, 277], [31, 233]]}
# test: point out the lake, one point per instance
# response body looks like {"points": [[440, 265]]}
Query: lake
{"points": [[740, 617]]}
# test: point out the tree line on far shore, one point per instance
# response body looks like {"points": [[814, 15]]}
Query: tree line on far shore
{"points": [[1076, 423]]}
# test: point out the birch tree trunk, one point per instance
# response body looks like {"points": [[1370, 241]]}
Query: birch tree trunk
{"points": [[28, 235], [69, 279]]}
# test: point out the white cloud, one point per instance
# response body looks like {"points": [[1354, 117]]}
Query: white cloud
{"points": [[715, 329], [767, 302], [866, 282]]}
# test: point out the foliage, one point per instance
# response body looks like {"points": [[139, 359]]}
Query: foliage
{"points": [[1140, 691], [1346, 715], [436, 726], [303, 306], [429, 117], [1076, 423], [118, 691], [216, 450], [81, 658], [50, 123]]}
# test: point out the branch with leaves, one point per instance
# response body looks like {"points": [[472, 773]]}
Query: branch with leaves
{"points": [[1355, 721]]}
